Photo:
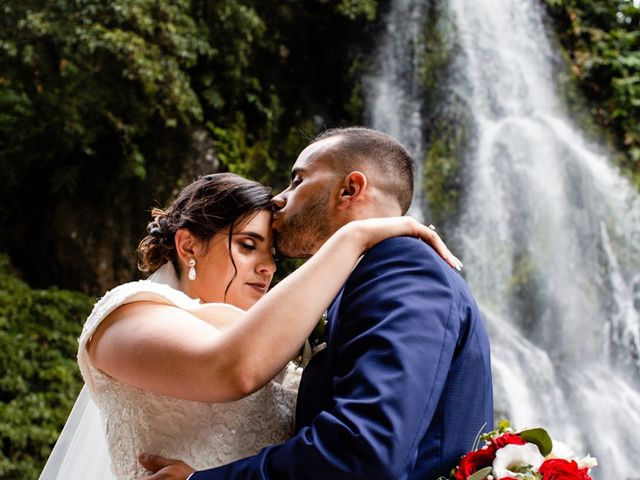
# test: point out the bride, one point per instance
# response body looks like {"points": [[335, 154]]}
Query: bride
{"points": [[193, 362]]}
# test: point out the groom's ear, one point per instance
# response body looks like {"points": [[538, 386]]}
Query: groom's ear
{"points": [[185, 245], [352, 190]]}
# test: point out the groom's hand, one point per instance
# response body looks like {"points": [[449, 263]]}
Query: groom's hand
{"points": [[164, 468]]}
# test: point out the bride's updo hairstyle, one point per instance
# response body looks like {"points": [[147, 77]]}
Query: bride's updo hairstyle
{"points": [[211, 204]]}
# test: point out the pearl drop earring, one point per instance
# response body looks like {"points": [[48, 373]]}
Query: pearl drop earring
{"points": [[192, 268]]}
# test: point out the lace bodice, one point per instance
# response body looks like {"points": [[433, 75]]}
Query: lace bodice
{"points": [[202, 434]]}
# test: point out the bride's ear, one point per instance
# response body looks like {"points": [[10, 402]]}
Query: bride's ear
{"points": [[185, 245], [352, 190]]}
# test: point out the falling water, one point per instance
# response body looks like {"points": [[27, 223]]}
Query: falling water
{"points": [[550, 232], [393, 92]]}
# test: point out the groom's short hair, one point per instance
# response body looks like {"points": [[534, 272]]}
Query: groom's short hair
{"points": [[377, 153]]}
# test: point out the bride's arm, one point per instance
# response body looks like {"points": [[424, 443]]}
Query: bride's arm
{"points": [[167, 350]]}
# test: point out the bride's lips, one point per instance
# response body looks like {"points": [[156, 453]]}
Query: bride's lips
{"points": [[259, 287]]}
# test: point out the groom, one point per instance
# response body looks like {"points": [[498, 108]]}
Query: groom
{"points": [[404, 385]]}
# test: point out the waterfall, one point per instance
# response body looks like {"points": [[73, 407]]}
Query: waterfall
{"points": [[548, 230], [393, 100]]}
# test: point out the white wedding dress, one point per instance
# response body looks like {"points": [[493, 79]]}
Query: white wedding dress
{"points": [[134, 420]]}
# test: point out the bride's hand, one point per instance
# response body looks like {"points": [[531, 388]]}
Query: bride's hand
{"points": [[164, 468], [374, 230]]}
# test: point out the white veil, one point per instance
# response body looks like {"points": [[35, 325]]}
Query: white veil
{"points": [[81, 451]]}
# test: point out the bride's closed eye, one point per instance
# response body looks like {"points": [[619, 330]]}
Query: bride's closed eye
{"points": [[249, 246]]}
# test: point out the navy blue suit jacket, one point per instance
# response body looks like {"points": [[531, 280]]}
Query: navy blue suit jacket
{"points": [[404, 385]]}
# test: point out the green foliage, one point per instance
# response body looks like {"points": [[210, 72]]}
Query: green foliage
{"points": [[233, 149], [95, 99], [481, 474], [39, 378], [356, 8], [91, 71], [603, 39], [281, 71], [101, 99], [540, 438]]}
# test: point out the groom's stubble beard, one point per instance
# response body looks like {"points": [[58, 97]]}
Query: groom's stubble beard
{"points": [[305, 231]]}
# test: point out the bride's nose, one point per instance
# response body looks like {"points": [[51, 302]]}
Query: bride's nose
{"points": [[266, 266]]}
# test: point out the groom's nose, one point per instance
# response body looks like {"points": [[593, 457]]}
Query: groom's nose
{"points": [[278, 202]]}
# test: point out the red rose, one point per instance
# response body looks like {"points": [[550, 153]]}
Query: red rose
{"points": [[507, 439], [474, 461], [559, 469]]}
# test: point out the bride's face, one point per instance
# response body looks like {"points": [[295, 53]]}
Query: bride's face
{"points": [[252, 252]]}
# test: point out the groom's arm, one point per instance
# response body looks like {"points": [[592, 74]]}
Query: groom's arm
{"points": [[397, 334]]}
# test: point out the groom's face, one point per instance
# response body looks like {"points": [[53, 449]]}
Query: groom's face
{"points": [[303, 218]]}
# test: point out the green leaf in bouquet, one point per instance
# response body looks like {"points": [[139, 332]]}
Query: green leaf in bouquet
{"points": [[539, 437], [480, 474]]}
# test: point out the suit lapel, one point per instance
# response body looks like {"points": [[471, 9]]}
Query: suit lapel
{"points": [[315, 392]]}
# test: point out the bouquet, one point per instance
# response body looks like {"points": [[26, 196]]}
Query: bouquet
{"points": [[525, 455]]}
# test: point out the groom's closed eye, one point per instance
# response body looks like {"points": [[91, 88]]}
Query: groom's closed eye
{"points": [[295, 178]]}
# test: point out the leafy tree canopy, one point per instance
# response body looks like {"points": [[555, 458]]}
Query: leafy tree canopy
{"points": [[99, 102]]}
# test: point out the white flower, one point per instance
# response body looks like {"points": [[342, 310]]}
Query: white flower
{"points": [[560, 450], [514, 456], [587, 462]]}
